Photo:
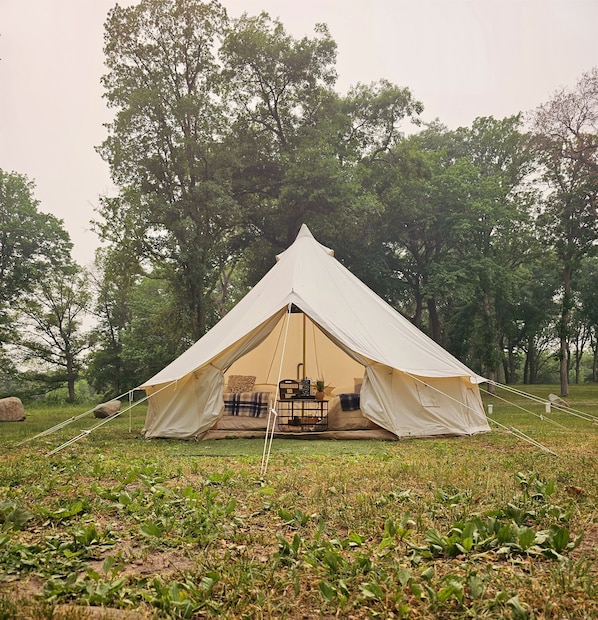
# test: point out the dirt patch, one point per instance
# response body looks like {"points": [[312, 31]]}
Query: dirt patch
{"points": [[589, 545], [27, 588], [78, 612], [143, 563]]}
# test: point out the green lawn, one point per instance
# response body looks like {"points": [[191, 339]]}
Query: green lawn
{"points": [[485, 526]]}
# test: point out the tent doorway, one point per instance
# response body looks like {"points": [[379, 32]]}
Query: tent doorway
{"points": [[300, 351]]}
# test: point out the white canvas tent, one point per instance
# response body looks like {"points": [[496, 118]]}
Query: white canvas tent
{"points": [[411, 386]]}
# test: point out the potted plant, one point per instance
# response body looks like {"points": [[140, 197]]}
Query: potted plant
{"points": [[320, 387]]}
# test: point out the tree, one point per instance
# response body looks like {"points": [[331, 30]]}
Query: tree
{"points": [[51, 324], [424, 187], [157, 333], [529, 315], [140, 327], [299, 143], [218, 161], [369, 140], [117, 273], [280, 88], [566, 137], [456, 230], [165, 145], [497, 237], [304, 150], [32, 244]]}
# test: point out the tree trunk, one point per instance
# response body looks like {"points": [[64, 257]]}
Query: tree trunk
{"points": [[564, 331], [435, 328], [578, 356], [491, 381], [564, 367], [419, 308], [510, 362], [491, 343], [530, 371], [70, 377]]}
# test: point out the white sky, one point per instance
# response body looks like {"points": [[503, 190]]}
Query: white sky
{"points": [[461, 58]]}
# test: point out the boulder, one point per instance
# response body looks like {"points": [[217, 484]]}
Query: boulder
{"points": [[557, 401], [107, 410], [11, 409]]}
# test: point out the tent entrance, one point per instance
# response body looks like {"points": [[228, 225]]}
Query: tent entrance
{"points": [[306, 353]]}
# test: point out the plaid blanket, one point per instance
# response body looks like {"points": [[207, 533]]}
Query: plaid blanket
{"points": [[254, 404], [349, 402]]}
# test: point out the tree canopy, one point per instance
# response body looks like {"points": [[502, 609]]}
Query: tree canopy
{"points": [[32, 243], [229, 134]]}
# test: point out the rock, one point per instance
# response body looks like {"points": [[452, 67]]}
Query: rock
{"points": [[107, 410], [557, 401], [11, 409]]}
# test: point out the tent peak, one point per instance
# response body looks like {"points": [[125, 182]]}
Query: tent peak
{"points": [[305, 234], [304, 231]]}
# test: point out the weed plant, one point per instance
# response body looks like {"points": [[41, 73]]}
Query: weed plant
{"points": [[484, 526]]}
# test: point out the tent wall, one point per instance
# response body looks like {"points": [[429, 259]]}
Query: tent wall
{"points": [[413, 407], [186, 408]]}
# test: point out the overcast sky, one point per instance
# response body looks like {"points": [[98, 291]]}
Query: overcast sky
{"points": [[461, 58]]}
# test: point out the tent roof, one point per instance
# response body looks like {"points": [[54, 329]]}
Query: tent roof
{"points": [[307, 275]]}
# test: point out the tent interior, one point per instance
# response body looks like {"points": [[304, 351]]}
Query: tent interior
{"points": [[298, 351]]}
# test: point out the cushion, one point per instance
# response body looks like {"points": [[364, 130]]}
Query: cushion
{"points": [[240, 383], [339, 420], [350, 402], [246, 404]]}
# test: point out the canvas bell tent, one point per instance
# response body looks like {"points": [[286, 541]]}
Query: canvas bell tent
{"points": [[309, 316]]}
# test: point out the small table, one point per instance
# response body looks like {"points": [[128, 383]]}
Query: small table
{"points": [[302, 414]]}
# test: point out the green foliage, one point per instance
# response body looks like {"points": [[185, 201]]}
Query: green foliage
{"points": [[54, 557], [60, 395], [218, 173], [175, 211], [12, 517], [32, 243], [51, 323], [118, 276], [67, 512], [34, 247], [156, 333], [564, 134], [474, 527], [181, 599]]}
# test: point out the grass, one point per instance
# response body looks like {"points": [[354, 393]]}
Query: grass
{"points": [[484, 526]]}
